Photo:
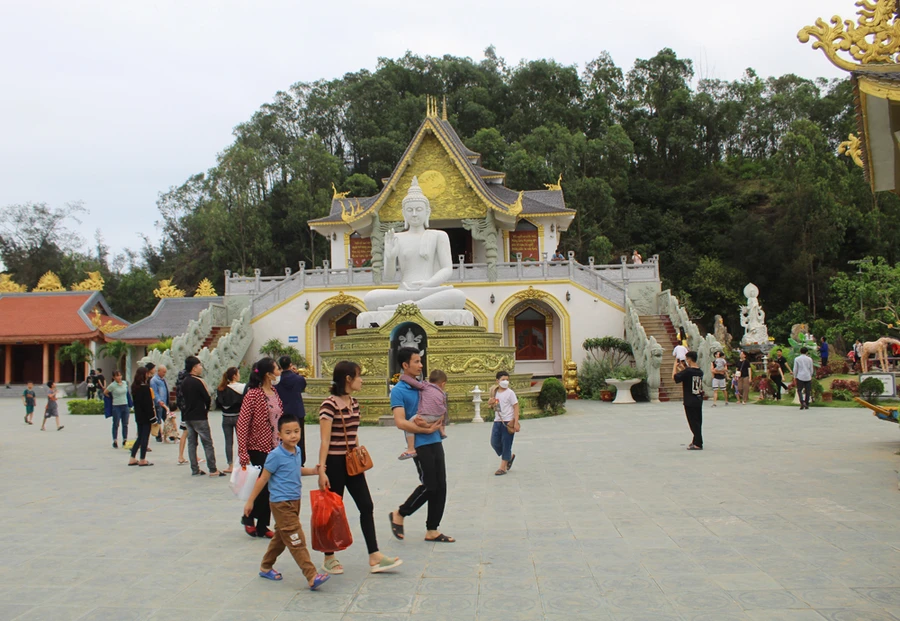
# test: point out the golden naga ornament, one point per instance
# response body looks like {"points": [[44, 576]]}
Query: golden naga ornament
{"points": [[555, 187], [168, 290], [516, 208], [49, 282], [873, 39], [94, 282], [105, 328], [354, 212], [852, 148], [338, 195], [7, 285], [205, 289]]}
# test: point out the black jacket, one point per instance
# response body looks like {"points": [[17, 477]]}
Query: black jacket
{"points": [[290, 388], [144, 412], [196, 399], [229, 401]]}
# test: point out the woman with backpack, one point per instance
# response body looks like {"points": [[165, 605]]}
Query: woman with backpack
{"points": [[229, 398]]}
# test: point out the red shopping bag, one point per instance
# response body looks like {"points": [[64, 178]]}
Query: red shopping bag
{"points": [[330, 530]]}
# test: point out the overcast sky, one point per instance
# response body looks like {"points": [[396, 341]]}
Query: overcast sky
{"points": [[112, 102]]}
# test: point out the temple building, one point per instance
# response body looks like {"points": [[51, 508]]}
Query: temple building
{"points": [[869, 50], [35, 325], [503, 247]]}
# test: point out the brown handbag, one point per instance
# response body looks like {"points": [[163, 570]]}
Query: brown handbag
{"points": [[358, 459]]}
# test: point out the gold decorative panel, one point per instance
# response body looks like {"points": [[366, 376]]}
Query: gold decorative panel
{"points": [[448, 191]]}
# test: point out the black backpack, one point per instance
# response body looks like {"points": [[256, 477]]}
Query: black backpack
{"points": [[179, 393]]}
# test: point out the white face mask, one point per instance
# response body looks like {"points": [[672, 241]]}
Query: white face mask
{"points": [[276, 380], [504, 383]]}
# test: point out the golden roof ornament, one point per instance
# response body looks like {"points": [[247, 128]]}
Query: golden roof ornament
{"points": [[49, 282], [516, 208], [105, 328], [8, 285], [205, 289], [168, 290], [338, 195], [94, 282], [852, 148], [873, 39], [555, 187], [353, 213]]}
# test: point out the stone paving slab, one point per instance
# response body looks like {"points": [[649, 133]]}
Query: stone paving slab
{"points": [[786, 515]]}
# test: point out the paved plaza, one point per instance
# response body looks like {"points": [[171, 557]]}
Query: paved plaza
{"points": [[786, 515]]}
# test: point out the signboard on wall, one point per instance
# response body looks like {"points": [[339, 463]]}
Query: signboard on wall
{"points": [[293, 339], [525, 242], [889, 380], [361, 251]]}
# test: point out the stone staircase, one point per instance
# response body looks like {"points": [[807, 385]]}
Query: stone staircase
{"points": [[214, 335], [660, 327]]}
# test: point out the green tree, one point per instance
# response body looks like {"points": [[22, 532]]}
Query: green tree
{"points": [[117, 350], [77, 353]]}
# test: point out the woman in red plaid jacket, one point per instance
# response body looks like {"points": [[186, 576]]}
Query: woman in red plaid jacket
{"points": [[257, 433]]}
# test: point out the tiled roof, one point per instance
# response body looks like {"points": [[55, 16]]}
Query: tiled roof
{"points": [[51, 317], [170, 318], [533, 202]]}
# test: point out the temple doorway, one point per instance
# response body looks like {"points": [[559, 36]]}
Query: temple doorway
{"points": [[461, 244]]}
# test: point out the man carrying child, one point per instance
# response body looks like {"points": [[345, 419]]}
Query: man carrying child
{"points": [[433, 407]]}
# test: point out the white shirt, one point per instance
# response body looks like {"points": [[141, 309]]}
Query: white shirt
{"points": [[507, 401], [679, 352], [803, 368]]}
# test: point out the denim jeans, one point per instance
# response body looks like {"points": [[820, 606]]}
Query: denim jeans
{"points": [[200, 429], [120, 414], [229, 425], [502, 440]]}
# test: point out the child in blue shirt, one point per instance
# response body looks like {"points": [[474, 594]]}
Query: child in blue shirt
{"points": [[282, 472]]}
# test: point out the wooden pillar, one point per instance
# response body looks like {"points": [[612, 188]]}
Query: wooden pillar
{"points": [[7, 379], [46, 365], [57, 375]]}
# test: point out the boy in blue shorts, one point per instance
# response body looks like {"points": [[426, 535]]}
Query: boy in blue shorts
{"points": [[282, 472], [30, 400]]}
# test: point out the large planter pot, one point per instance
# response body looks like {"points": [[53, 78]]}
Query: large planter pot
{"points": [[607, 395], [827, 396], [623, 389]]}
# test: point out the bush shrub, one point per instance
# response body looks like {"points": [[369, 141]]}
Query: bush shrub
{"points": [[871, 388], [850, 386], [608, 349], [592, 378], [842, 395], [816, 391], [552, 397], [823, 372], [766, 388], [274, 348], [161, 345], [85, 406]]}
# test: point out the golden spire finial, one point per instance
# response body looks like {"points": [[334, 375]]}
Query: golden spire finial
{"points": [[49, 282], [875, 38], [444, 113]]}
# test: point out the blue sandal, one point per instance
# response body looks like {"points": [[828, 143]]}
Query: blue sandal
{"points": [[318, 581], [270, 575]]}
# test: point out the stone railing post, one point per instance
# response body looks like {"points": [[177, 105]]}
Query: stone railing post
{"points": [[227, 280], [571, 265], [302, 265], [256, 274], [519, 267], [462, 267], [326, 271], [350, 271], [544, 266]]}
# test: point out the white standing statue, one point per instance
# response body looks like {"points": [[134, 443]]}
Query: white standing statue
{"points": [[425, 262], [753, 318]]}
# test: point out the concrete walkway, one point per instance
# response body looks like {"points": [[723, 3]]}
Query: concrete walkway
{"points": [[786, 515]]}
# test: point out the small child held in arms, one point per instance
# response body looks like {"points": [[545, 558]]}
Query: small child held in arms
{"points": [[30, 400], [433, 407], [52, 409], [282, 472]]}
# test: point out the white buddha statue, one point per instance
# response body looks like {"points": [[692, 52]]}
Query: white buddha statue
{"points": [[424, 258]]}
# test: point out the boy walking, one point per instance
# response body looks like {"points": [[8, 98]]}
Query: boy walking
{"points": [[506, 422], [691, 380], [30, 400], [52, 409], [282, 472]]}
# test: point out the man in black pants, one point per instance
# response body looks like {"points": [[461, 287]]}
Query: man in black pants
{"points": [[429, 457], [691, 380]]}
